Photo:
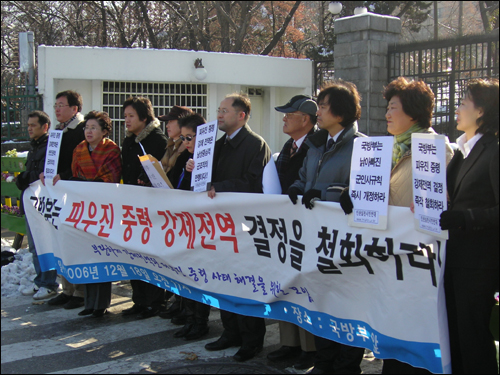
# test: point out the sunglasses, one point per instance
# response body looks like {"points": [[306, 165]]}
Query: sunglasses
{"points": [[188, 138]]}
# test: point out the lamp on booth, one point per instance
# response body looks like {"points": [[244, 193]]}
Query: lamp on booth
{"points": [[200, 72], [335, 7]]}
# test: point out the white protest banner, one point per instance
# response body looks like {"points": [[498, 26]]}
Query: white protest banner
{"points": [[203, 156], [155, 172], [428, 159], [52, 153], [369, 181], [257, 255]]}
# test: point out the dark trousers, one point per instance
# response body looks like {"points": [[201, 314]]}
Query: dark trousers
{"points": [[248, 330], [393, 366], [97, 296], [196, 312], [337, 358], [146, 294], [469, 301]]}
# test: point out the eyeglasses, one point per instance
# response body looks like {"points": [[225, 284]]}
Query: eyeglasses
{"points": [[287, 115], [224, 111], [188, 138], [61, 105], [90, 128]]}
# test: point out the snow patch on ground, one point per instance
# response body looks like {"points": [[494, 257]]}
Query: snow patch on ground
{"points": [[17, 276]]}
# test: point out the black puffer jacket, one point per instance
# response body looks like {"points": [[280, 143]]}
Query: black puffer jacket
{"points": [[34, 164]]}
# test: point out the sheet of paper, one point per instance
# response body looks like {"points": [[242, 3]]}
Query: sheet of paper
{"points": [[429, 182], [155, 172], [369, 181], [203, 157], [52, 153], [270, 179]]}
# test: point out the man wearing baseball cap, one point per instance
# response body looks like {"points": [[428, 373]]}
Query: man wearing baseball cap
{"points": [[299, 121]]}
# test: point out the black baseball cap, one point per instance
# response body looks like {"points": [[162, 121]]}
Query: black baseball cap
{"points": [[302, 103]]}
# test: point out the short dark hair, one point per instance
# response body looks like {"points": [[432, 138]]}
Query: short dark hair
{"points": [[73, 98], [191, 121], [484, 95], [142, 106], [241, 102], [102, 118], [344, 100], [43, 118], [416, 98]]}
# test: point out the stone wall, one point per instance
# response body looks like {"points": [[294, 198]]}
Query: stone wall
{"points": [[361, 57]]}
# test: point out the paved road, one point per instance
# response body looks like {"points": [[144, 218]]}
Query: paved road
{"points": [[38, 338], [47, 339]]}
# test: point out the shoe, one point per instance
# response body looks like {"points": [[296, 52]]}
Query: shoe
{"points": [[180, 319], [44, 293], [284, 352], [171, 312], [74, 303], [99, 313], [244, 354], [86, 312], [197, 332], [316, 370], [183, 331], [30, 290], [61, 299], [305, 360], [148, 312], [136, 309], [221, 343]]}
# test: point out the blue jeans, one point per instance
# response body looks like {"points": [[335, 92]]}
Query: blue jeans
{"points": [[45, 279]]}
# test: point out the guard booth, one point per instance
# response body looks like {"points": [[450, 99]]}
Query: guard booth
{"points": [[105, 77]]}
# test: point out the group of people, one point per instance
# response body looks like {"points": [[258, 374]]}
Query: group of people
{"points": [[314, 163]]}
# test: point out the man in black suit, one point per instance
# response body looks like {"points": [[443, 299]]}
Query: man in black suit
{"points": [[239, 160], [299, 121]]}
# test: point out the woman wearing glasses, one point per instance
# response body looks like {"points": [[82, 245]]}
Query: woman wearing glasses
{"points": [[196, 312], [97, 158]]}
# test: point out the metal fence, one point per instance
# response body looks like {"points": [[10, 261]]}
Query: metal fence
{"points": [[17, 103], [323, 72], [446, 66]]}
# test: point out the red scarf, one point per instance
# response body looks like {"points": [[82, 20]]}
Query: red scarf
{"points": [[103, 164]]}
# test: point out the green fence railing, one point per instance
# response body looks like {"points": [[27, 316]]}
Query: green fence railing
{"points": [[17, 103]]}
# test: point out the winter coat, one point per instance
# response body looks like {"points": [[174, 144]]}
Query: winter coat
{"points": [[152, 139], [172, 152], [179, 171], [239, 164], [328, 171], [401, 183], [35, 163], [473, 187], [73, 135], [288, 168]]}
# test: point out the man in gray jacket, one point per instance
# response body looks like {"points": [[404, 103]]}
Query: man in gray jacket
{"points": [[323, 176]]}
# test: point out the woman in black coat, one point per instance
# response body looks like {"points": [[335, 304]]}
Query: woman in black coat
{"points": [[471, 271], [144, 136], [196, 313]]}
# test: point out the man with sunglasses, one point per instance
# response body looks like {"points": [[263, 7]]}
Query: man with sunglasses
{"points": [[239, 160]]}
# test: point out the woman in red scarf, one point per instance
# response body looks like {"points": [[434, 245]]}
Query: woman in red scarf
{"points": [[97, 158]]}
